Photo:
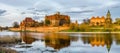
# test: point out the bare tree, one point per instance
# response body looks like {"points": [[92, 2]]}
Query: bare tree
{"points": [[15, 24]]}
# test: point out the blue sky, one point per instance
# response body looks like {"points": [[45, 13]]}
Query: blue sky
{"points": [[17, 10]]}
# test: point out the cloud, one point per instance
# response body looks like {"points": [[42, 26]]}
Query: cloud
{"points": [[2, 12], [36, 11], [19, 3], [86, 11], [117, 6], [48, 5], [9, 15]]}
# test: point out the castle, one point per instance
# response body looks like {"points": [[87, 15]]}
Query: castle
{"points": [[101, 21], [28, 22], [57, 20], [54, 20]]}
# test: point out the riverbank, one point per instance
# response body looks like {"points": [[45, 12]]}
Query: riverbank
{"points": [[40, 29], [57, 30], [7, 50], [88, 32], [6, 42]]}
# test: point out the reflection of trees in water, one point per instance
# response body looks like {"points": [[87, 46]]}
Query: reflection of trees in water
{"points": [[26, 37], [98, 40], [117, 38], [58, 41]]}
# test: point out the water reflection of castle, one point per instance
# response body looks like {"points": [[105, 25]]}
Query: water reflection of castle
{"points": [[59, 41], [56, 41], [99, 40], [26, 38]]}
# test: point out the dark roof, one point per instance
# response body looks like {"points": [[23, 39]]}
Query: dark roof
{"points": [[28, 19]]}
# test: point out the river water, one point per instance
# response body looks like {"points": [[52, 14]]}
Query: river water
{"points": [[65, 42]]}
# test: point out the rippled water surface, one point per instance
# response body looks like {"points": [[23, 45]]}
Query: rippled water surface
{"points": [[65, 42]]}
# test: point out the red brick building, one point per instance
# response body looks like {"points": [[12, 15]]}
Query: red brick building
{"points": [[28, 22], [57, 19]]}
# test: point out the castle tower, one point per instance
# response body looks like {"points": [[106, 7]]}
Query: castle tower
{"points": [[108, 15], [108, 19], [58, 13]]}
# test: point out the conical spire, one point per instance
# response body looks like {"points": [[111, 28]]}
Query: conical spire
{"points": [[108, 48], [108, 15], [108, 12]]}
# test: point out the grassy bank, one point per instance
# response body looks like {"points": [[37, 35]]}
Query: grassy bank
{"points": [[93, 30], [6, 50], [8, 41]]}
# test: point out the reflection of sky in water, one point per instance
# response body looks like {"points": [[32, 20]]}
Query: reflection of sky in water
{"points": [[79, 43], [4, 33]]}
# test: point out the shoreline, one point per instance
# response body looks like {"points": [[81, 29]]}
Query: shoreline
{"points": [[64, 32], [87, 32], [53, 30], [7, 50], [39, 29]]}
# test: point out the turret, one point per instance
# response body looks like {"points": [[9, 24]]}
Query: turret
{"points": [[58, 13]]}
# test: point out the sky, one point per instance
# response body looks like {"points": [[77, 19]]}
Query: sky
{"points": [[17, 10]]}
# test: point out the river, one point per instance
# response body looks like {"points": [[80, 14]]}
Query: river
{"points": [[64, 42]]}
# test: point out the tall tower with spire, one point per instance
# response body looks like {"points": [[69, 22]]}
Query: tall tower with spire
{"points": [[108, 15], [108, 19]]}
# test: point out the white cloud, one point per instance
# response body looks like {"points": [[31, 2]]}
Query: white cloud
{"points": [[46, 4]]}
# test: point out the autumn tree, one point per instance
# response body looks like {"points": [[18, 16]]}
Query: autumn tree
{"points": [[117, 21], [84, 27], [47, 22], [72, 26]]}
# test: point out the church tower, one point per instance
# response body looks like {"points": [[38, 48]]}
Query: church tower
{"points": [[108, 14], [108, 19]]}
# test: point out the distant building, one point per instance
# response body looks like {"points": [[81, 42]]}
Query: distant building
{"points": [[29, 22], [101, 21], [57, 20], [97, 21]]}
